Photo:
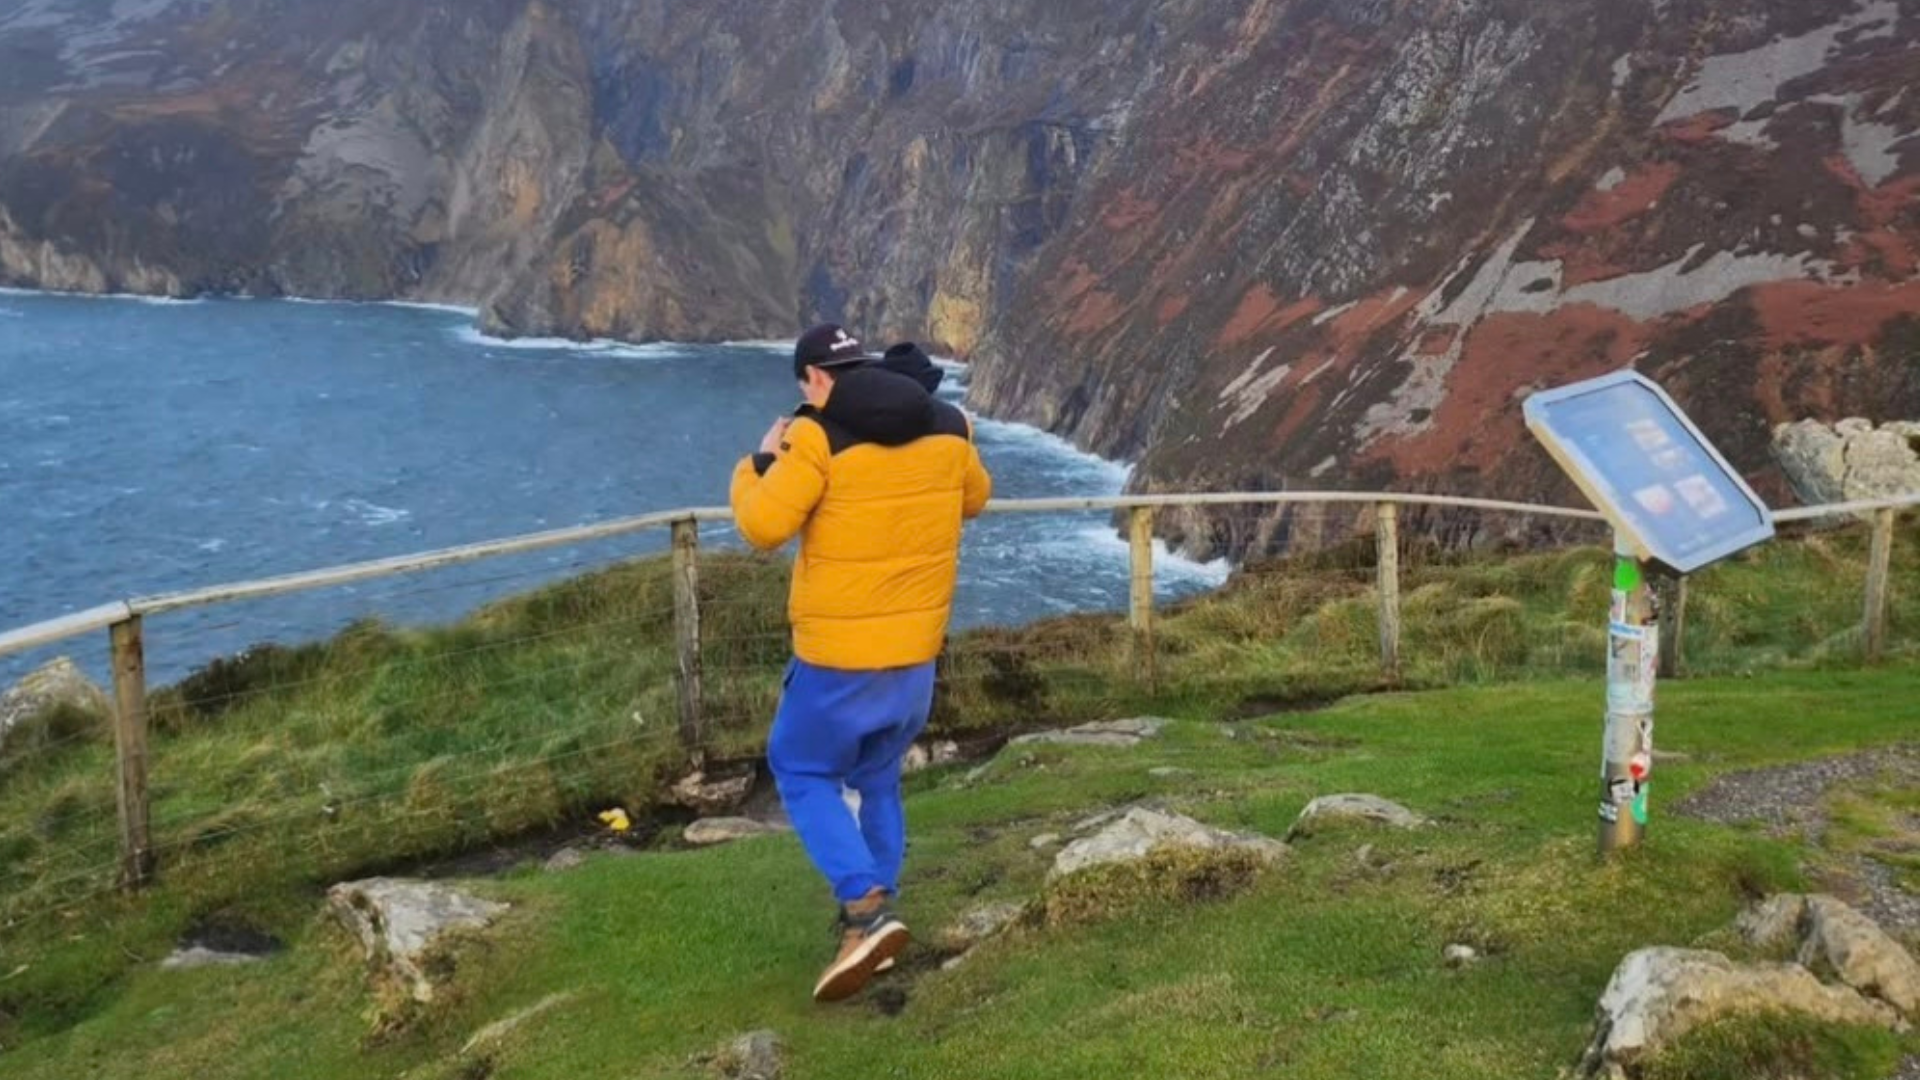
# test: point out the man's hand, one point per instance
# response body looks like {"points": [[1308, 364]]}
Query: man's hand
{"points": [[770, 442]]}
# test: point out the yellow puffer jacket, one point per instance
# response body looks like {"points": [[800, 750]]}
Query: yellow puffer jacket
{"points": [[876, 485]]}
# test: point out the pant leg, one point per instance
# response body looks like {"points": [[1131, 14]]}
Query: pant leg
{"points": [[824, 720], [876, 775]]}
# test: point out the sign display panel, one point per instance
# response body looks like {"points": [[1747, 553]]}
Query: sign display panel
{"points": [[1649, 470]]}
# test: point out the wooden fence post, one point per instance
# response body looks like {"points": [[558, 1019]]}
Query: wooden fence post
{"points": [[1387, 566], [1140, 599], [130, 749], [686, 630], [1673, 626], [1879, 561]]}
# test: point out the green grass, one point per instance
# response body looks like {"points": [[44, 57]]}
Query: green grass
{"points": [[1320, 968], [1779, 1048], [279, 771]]}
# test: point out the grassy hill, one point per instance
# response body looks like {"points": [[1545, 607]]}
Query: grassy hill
{"points": [[1326, 967], [289, 768]]}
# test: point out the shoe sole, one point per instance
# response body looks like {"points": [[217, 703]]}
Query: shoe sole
{"points": [[851, 975]]}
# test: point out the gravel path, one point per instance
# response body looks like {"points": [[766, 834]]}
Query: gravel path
{"points": [[1792, 799]]}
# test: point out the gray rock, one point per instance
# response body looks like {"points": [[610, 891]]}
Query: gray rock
{"points": [[1044, 840], [709, 831], [199, 956], [500, 1029], [758, 1055], [1848, 461], [1168, 772], [1658, 995], [401, 923], [1352, 807], [1825, 934], [1459, 956], [1141, 831], [1860, 953], [981, 923], [565, 859], [708, 795], [57, 682], [1114, 733], [928, 755], [1774, 923]]}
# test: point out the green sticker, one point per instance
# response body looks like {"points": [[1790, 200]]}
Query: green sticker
{"points": [[1626, 574], [1640, 806]]}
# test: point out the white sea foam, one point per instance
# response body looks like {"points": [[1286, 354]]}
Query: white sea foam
{"points": [[597, 347], [424, 305], [373, 514], [157, 301], [1169, 567], [1112, 475]]}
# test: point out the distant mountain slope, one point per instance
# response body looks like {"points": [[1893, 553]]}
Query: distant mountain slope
{"points": [[1252, 244]]}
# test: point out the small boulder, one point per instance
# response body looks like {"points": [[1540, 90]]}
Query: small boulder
{"points": [[1168, 772], [1044, 841], [1350, 807], [1860, 953], [757, 1055], [1774, 923], [400, 924], [57, 682], [567, 858], [1826, 935], [706, 794], [709, 831], [1658, 995], [1141, 831], [1114, 733], [1459, 956], [981, 923], [927, 755]]}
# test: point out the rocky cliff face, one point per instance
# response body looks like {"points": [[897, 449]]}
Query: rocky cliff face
{"points": [[1258, 243]]}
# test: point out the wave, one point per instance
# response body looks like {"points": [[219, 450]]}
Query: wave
{"points": [[137, 298], [373, 514], [1112, 474], [472, 335], [426, 305]]}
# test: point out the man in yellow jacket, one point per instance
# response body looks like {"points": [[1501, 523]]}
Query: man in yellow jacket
{"points": [[875, 476]]}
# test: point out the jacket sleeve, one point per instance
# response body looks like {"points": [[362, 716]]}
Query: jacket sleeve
{"points": [[771, 507], [979, 482]]}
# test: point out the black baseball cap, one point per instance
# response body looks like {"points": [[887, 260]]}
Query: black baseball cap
{"points": [[827, 346]]}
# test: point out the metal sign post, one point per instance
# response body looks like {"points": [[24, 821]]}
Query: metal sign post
{"points": [[1673, 501], [1633, 659]]}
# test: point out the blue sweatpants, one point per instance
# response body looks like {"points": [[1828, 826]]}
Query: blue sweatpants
{"points": [[838, 729]]}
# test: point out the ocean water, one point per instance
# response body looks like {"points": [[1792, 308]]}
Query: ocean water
{"points": [[152, 446]]}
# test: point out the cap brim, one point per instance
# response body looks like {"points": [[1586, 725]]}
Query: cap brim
{"points": [[844, 362]]}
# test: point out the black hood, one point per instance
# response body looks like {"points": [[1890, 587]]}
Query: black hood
{"points": [[876, 405], [912, 361]]}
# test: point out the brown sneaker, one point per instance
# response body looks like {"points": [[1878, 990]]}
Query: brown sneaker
{"points": [[869, 937]]}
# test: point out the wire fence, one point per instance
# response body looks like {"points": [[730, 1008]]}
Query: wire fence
{"points": [[384, 744]]}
